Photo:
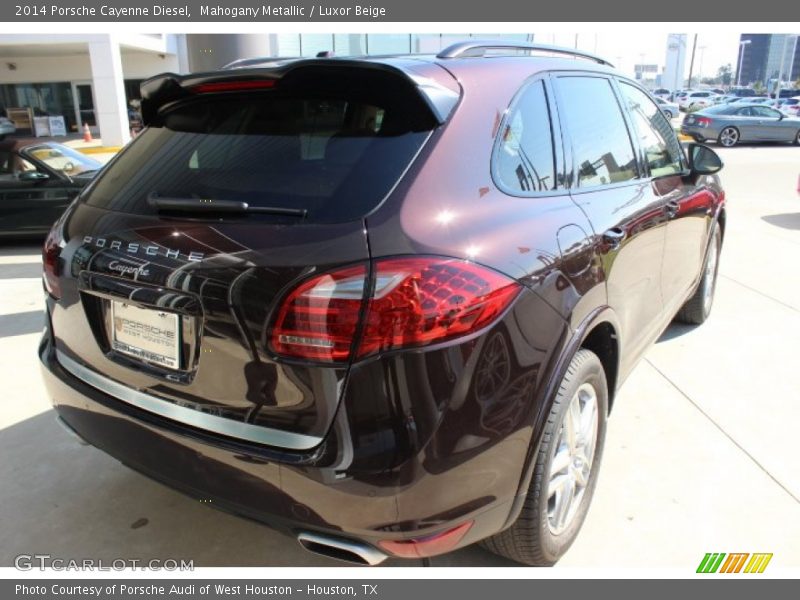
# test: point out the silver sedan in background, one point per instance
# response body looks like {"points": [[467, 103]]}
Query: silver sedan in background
{"points": [[730, 124], [670, 109]]}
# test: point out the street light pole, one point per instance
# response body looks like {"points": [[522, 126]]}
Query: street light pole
{"points": [[742, 44], [691, 64]]}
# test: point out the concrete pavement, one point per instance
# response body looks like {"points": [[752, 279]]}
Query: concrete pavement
{"points": [[700, 455]]}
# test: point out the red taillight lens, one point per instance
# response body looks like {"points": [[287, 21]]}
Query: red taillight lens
{"points": [[415, 302], [233, 86], [427, 546], [318, 319], [51, 261], [421, 301], [703, 121]]}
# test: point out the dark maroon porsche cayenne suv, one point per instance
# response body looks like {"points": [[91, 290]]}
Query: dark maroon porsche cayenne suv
{"points": [[383, 304]]}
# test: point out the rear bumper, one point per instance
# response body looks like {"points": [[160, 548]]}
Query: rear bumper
{"points": [[705, 133], [292, 491]]}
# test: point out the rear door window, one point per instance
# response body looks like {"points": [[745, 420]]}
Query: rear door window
{"points": [[601, 147], [524, 161], [333, 154]]}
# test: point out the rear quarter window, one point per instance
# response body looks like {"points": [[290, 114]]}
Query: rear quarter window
{"points": [[524, 161]]}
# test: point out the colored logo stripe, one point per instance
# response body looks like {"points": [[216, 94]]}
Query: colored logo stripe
{"points": [[710, 562], [758, 563], [733, 564]]}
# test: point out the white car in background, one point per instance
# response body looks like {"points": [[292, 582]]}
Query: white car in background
{"points": [[700, 99], [790, 106]]}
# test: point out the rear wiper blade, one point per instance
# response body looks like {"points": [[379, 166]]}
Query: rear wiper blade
{"points": [[212, 205]]}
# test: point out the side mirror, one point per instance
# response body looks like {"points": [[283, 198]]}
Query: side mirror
{"points": [[33, 176], [703, 160]]}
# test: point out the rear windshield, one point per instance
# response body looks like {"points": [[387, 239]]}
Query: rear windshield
{"points": [[334, 155]]}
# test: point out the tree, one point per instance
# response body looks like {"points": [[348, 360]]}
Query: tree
{"points": [[759, 88], [725, 74], [797, 84]]}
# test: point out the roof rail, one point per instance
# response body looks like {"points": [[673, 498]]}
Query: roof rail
{"points": [[478, 48], [259, 60]]}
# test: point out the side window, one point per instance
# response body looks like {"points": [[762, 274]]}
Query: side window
{"points": [[524, 160], [763, 111], [656, 137], [601, 146]]}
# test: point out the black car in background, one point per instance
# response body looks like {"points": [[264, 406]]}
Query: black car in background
{"points": [[383, 304], [38, 180]]}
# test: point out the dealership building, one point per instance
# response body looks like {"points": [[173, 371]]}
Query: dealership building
{"points": [[94, 79]]}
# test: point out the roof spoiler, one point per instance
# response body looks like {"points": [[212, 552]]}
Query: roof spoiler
{"points": [[167, 88]]}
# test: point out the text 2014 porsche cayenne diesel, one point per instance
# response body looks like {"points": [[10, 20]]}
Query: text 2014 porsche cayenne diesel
{"points": [[383, 304]]}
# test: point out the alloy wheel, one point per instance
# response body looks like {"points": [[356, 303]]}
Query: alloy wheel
{"points": [[728, 137], [571, 467]]}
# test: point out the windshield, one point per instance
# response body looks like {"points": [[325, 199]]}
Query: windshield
{"points": [[334, 156], [62, 159]]}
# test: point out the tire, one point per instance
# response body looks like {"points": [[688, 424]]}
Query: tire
{"points": [[668, 114], [796, 138], [537, 538], [728, 137], [698, 307]]}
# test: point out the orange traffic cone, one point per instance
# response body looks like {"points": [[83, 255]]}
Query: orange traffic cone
{"points": [[87, 134]]}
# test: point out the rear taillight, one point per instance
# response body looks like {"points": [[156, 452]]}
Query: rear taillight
{"points": [[319, 319], [703, 121], [51, 262], [414, 302], [422, 301]]}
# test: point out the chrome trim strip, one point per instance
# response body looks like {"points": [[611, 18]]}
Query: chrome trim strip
{"points": [[188, 416], [369, 554]]}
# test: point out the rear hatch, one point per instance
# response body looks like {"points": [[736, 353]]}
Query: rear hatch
{"points": [[177, 259]]}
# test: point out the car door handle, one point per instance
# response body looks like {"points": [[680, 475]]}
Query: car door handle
{"points": [[613, 237], [672, 208]]}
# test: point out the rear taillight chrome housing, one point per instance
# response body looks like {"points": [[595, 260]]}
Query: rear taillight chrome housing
{"points": [[403, 303], [51, 263]]}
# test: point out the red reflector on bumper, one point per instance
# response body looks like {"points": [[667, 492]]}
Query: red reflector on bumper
{"points": [[432, 545]]}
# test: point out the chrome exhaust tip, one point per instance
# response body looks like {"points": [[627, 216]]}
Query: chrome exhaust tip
{"points": [[341, 549]]}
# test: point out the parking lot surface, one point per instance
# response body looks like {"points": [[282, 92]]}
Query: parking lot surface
{"points": [[700, 452]]}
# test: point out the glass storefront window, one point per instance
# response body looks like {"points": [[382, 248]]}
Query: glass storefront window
{"points": [[43, 98]]}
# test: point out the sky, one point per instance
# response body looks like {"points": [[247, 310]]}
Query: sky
{"points": [[624, 51]]}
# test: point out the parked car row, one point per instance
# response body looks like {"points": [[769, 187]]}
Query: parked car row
{"points": [[692, 100]]}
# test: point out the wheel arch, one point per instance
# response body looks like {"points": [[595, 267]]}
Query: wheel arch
{"points": [[598, 332]]}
